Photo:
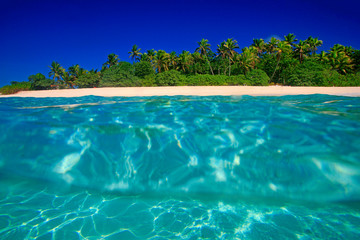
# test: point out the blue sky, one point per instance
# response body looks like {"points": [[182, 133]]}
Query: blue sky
{"points": [[36, 32]]}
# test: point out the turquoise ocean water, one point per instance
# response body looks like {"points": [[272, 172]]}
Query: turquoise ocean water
{"points": [[180, 167]]}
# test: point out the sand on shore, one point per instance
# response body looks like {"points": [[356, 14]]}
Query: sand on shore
{"points": [[191, 91]]}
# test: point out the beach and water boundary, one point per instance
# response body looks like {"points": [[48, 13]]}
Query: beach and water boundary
{"points": [[192, 91]]}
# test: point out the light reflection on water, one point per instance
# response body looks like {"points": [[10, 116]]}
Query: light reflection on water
{"points": [[44, 213], [180, 167]]}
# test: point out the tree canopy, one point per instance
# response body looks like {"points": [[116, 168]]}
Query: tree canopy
{"points": [[290, 61]]}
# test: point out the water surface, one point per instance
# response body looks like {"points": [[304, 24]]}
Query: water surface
{"points": [[180, 167]]}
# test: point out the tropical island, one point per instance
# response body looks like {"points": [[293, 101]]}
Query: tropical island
{"points": [[288, 62]]}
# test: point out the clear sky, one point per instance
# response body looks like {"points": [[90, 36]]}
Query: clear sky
{"points": [[36, 32]]}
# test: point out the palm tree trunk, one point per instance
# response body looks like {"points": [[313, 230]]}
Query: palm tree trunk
{"points": [[229, 67], [212, 72], [277, 64]]}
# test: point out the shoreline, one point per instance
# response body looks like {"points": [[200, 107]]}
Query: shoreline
{"points": [[191, 91]]}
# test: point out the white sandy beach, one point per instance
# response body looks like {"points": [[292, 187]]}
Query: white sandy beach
{"points": [[191, 91]]}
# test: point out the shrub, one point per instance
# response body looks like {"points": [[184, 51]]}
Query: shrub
{"points": [[353, 79], [258, 77], [206, 80], [40, 82], [355, 57], [127, 67], [116, 76], [304, 78], [213, 80], [283, 70], [147, 81], [15, 87], [349, 80], [309, 73], [89, 80], [329, 77], [143, 69], [312, 73], [238, 80], [170, 78]]}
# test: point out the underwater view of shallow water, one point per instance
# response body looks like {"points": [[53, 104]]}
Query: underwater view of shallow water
{"points": [[214, 167]]}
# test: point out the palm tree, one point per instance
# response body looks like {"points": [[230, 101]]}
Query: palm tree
{"points": [[337, 48], [56, 71], [349, 51], [184, 61], [271, 45], [68, 79], [196, 60], [145, 58], [112, 60], [227, 50], [151, 56], [173, 60], [74, 70], [259, 45], [161, 61], [81, 72], [151, 53], [301, 50], [93, 71], [221, 56], [323, 57], [221, 50], [339, 60], [314, 43], [135, 53], [281, 48], [204, 49], [290, 39], [247, 59]]}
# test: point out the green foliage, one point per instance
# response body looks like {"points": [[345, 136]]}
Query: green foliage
{"points": [[40, 82], [238, 80], [289, 62], [267, 64], [169, 78], [333, 78], [339, 80], [206, 80], [127, 67], [112, 60], [309, 73], [15, 87], [284, 68], [56, 71], [116, 76], [328, 78], [89, 80], [312, 73], [143, 69], [355, 57], [135, 53], [351, 80], [215, 80], [304, 78], [147, 81], [258, 77]]}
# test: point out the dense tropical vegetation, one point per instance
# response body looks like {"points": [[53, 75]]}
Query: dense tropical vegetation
{"points": [[287, 62]]}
